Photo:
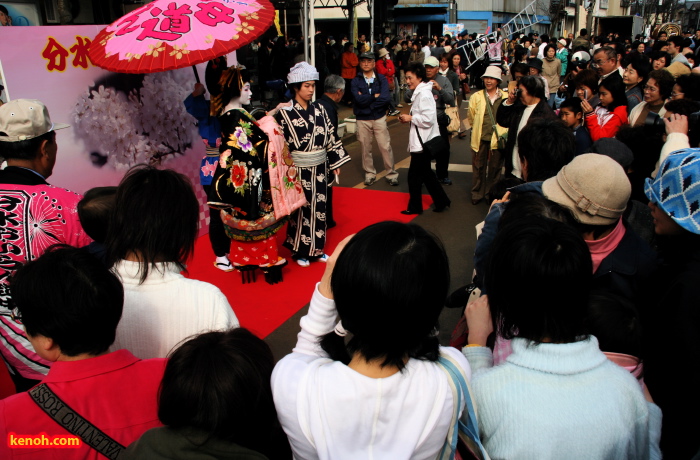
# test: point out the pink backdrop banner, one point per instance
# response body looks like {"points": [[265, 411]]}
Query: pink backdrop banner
{"points": [[117, 120]]}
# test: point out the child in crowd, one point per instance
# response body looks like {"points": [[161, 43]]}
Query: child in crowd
{"points": [[94, 211], [571, 114], [70, 305], [606, 119]]}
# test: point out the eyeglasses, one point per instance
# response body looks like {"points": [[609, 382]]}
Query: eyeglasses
{"points": [[651, 89], [674, 94]]}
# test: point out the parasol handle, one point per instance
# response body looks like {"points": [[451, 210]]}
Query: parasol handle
{"points": [[196, 75]]}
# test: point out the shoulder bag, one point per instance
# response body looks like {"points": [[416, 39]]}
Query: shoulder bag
{"points": [[462, 438], [74, 423], [433, 146], [502, 139], [453, 113]]}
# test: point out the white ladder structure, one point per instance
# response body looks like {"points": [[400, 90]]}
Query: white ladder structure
{"points": [[475, 49]]}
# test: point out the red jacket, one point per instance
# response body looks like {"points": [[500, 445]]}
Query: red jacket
{"points": [[617, 119], [116, 392], [386, 68], [349, 63]]}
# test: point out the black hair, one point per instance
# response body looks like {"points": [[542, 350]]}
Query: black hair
{"points": [[4, 10], [616, 87], [547, 48], [682, 107], [25, 150], [534, 85], [519, 67], [615, 322], [219, 382], [587, 77], [347, 46], [551, 257], [676, 40], [70, 297], [686, 107], [584, 32], [231, 82], [641, 64], [522, 205], [418, 70], [690, 84], [518, 57], [573, 103], [389, 283], [656, 55], [95, 211], [547, 145], [156, 218], [664, 80], [646, 145]]}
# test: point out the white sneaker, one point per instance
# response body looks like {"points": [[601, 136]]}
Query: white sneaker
{"points": [[323, 258], [303, 262]]}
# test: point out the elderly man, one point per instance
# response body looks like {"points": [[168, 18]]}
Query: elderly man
{"points": [[444, 95], [33, 216], [606, 63], [372, 98], [333, 92]]}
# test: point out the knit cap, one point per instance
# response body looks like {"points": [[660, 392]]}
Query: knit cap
{"points": [[301, 72], [676, 189]]}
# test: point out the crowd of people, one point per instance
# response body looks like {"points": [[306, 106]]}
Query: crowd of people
{"points": [[579, 337]]}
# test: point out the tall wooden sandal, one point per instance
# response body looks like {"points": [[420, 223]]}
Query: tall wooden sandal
{"points": [[273, 273], [248, 274]]}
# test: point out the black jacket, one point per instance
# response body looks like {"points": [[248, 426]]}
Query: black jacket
{"points": [[671, 328], [331, 109], [509, 116]]}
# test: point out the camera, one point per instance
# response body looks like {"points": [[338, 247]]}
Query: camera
{"points": [[656, 124]]}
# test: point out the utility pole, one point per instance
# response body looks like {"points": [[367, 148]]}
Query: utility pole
{"points": [[371, 24], [351, 20], [589, 18]]}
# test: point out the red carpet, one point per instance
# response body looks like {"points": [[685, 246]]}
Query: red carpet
{"points": [[261, 307]]}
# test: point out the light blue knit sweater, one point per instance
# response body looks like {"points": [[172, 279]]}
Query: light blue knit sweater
{"points": [[561, 401]]}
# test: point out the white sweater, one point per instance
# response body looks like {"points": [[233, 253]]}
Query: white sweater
{"points": [[561, 401], [329, 411], [166, 309]]}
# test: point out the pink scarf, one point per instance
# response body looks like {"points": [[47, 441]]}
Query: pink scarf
{"points": [[600, 249]]}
